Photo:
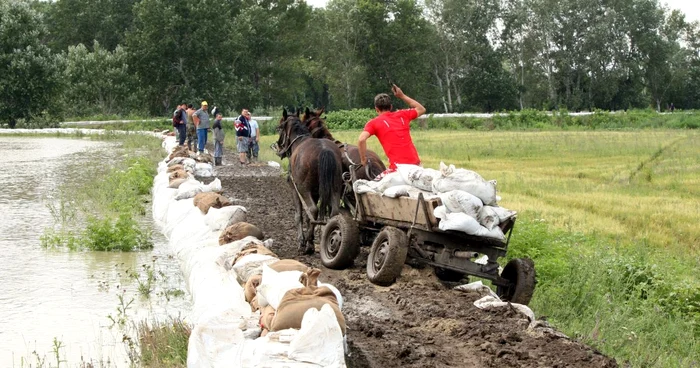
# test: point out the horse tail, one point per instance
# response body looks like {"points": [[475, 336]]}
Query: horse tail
{"points": [[329, 181]]}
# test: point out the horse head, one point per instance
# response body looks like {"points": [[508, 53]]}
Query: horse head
{"points": [[290, 129], [316, 125]]}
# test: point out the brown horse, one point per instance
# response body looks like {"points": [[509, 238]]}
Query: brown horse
{"points": [[350, 153], [315, 174]]}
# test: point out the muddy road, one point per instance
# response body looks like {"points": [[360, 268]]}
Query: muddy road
{"points": [[418, 321]]}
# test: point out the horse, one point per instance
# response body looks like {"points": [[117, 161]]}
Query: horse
{"points": [[315, 175], [350, 153]]}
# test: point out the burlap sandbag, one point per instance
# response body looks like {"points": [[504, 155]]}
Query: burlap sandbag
{"points": [[296, 302], [175, 168], [175, 183], [239, 231], [267, 315], [207, 200], [180, 151], [178, 174], [288, 265], [253, 248], [250, 285], [204, 157]]}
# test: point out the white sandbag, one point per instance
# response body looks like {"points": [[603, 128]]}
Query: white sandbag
{"points": [[250, 265], [220, 218], [461, 201], [362, 186], [488, 218], [187, 194], [466, 180], [335, 291], [176, 161], [459, 221], [417, 176], [390, 180], [319, 340], [478, 287], [219, 342], [489, 302], [231, 250], [273, 164], [503, 214], [203, 169], [214, 186], [397, 191], [275, 284], [271, 351]]}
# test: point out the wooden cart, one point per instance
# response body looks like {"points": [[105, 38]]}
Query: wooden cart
{"points": [[404, 229]]}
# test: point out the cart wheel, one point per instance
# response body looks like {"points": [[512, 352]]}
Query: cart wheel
{"points": [[340, 242], [387, 256], [521, 274], [448, 275]]}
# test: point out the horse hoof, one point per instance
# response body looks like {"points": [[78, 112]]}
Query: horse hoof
{"points": [[308, 251]]}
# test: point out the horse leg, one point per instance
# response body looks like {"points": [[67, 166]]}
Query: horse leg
{"points": [[313, 213], [299, 218]]}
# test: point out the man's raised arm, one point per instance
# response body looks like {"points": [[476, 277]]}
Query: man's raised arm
{"points": [[409, 101]]}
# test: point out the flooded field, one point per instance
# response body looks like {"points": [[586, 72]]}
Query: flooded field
{"points": [[62, 302]]}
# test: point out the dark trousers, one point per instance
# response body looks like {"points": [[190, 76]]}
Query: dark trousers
{"points": [[182, 133]]}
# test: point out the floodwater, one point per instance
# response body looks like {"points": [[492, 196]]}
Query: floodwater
{"points": [[50, 296]]}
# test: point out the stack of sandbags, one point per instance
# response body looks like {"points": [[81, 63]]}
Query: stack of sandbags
{"points": [[468, 181], [205, 201], [225, 327]]}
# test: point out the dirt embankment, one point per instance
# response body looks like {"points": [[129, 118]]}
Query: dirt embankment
{"points": [[418, 321]]}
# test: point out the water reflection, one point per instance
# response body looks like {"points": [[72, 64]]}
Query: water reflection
{"points": [[47, 294]]}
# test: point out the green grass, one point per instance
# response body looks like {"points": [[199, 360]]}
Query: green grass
{"points": [[163, 344], [102, 211], [611, 220]]}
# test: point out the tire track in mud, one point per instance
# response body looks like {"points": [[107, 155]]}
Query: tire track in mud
{"points": [[418, 321]]}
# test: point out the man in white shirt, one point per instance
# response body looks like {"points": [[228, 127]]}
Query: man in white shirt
{"points": [[253, 147]]}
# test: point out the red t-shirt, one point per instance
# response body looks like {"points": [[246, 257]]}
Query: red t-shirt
{"points": [[393, 129]]}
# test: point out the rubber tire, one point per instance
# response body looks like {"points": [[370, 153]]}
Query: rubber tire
{"points": [[448, 275], [520, 272], [394, 243], [345, 230]]}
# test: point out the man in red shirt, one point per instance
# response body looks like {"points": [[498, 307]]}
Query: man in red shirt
{"points": [[393, 129]]}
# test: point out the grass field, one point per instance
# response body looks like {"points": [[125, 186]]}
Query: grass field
{"points": [[612, 220]]}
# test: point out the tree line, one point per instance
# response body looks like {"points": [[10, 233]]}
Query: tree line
{"points": [[82, 58]]}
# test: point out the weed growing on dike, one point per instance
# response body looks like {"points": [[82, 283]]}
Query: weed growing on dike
{"points": [[109, 202]]}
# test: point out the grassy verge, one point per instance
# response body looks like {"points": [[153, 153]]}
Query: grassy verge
{"points": [[163, 344], [102, 213], [610, 219]]}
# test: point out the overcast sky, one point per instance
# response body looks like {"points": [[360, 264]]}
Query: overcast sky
{"points": [[691, 8]]}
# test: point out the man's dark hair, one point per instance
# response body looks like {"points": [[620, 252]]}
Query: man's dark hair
{"points": [[189, 106], [382, 102]]}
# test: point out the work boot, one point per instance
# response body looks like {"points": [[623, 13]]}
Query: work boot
{"points": [[217, 161]]}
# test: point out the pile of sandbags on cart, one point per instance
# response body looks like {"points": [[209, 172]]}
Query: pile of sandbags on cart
{"points": [[469, 202], [249, 308]]}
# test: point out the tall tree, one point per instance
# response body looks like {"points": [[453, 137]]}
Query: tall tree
{"points": [[29, 73]]}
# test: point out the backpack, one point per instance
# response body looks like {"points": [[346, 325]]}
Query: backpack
{"points": [[177, 117]]}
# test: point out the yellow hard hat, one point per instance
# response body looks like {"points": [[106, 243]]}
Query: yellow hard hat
{"points": [[204, 103]]}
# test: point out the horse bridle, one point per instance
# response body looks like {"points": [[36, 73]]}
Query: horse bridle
{"points": [[286, 147]]}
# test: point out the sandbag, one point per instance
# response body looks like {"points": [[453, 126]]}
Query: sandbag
{"points": [[459, 221], [214, 186], [180, 151], [362, 186], [397, 191], [205, 201], [204, 170], [465, 180], [204, 157], [250, 265], [220, 218], [253, 248], [296, 302], [488, 218], [175, 168], [178, 174], [250, 286], [187, 194], [239, 231], [175, 183], [267, 314], [176, 161], [320, 339], [417, 176], [274, 285], [461, 201], [288, 265]]}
